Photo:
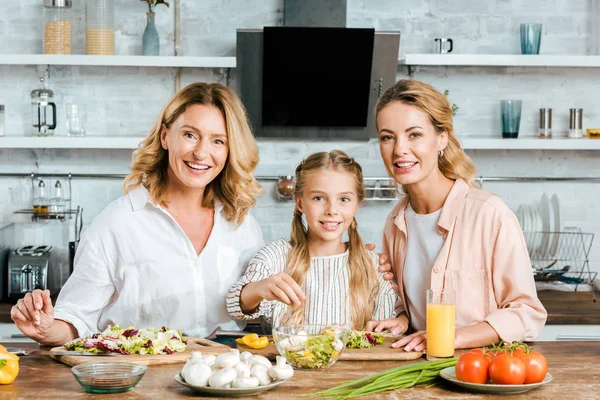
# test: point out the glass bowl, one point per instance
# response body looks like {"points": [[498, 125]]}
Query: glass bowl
{"points": [[310, 346], [108, 377]]}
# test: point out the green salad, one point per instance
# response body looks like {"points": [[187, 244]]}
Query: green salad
{"points": [[364, 340], [314, 351], [129, 340]]}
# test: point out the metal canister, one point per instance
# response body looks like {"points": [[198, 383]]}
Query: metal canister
{"points": [[545, 130], [576, 123]]}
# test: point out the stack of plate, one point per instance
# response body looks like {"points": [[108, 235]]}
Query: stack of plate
{"points": [[541, 224]]}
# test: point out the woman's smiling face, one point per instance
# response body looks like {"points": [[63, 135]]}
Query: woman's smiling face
{"points": [[197, 146], [408, 142]]}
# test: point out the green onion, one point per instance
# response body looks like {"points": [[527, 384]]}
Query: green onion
{"points": [[396, 378]]}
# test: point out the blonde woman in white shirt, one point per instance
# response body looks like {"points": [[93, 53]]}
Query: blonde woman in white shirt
{"points": [[166, 253], [316, 278]]}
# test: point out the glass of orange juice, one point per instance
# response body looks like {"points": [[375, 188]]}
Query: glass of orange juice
{"points": [[440, 324]]}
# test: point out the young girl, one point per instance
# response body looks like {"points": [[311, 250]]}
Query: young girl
{"points": [[316, 278]]}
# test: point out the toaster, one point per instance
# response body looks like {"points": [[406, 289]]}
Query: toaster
{"points": [[33, 267]]}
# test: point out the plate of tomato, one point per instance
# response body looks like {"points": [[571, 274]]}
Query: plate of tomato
{"points": [[505, 368]]}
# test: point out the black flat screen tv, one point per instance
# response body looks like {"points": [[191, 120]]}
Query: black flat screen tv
{"points": [[316, 76]]}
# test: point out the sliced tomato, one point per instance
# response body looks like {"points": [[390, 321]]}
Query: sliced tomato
{"points": [[507, 370], [472, 367]]}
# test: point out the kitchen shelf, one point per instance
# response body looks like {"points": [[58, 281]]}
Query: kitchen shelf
{"points": [[70, 142], [132, 142], [499, 60], [118, 61]]}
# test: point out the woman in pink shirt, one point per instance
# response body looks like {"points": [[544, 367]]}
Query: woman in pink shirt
{"points": [[448, 234]]}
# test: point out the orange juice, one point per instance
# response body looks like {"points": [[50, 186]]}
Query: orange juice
{"points": [[440, 330]]}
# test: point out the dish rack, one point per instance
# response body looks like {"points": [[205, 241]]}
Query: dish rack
{"points": [[562, 257]]}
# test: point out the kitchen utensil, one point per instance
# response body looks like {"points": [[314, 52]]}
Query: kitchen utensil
{"points": [[531, 36], [41, 103], [545, 130], [74, 237], [34, 267], [194, 344], [449, 374], [108, 377], [544, 212], [228, 392], [380, 352], [511, 118], [441, 45], [575, 123]]}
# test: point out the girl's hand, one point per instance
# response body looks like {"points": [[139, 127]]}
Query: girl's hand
{"points": [[283, 288], [34, 314], [395, 325], [414, 342]]}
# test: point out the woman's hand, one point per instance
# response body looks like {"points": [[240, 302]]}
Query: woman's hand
{"points": [[384, 265], [414, 342], [34, 314], [281, 287], [395, 325]]}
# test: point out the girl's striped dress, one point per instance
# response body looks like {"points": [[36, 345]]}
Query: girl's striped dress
{"points": [[326, 288]]}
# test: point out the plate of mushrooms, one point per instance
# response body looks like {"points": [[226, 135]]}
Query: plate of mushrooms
{"points": [[233, 374]]}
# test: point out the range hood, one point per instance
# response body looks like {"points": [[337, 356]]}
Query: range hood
{"points": [[314, 78]]}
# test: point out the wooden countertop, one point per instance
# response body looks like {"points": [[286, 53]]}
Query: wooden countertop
{"points": [[564, 308], [573, 365]]}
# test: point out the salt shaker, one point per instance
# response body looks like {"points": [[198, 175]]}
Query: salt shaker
{"points": [[575, 123], [545, 130]]}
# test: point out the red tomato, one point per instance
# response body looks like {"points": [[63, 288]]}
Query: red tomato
{"points": [[536, 366], [507, 370], [472, 367]]}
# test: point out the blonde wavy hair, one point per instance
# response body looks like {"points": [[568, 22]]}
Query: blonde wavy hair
{"points": [[235, 187], [364, 284], [454, 163]]}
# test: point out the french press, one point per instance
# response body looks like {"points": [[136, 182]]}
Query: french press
{"points": [[41, 101]]}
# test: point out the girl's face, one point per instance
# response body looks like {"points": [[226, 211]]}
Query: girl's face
{"points": [[329, 202], [408, 143], [197, 146]]}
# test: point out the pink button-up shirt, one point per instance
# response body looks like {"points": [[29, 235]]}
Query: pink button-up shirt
{"points": [[484, 259]]}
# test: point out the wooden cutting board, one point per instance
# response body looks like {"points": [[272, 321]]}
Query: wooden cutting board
{"points": [[378, 353], [194, 344]]}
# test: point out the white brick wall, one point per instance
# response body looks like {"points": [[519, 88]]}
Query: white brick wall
{"points": [[125, 101]]}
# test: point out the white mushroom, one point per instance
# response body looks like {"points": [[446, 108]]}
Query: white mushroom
{"points": [[209, 359], [227, 360], [198, 374], [241, 368], [222, 377], [245, 381], [256, 359], [261, 372], [195, 357], [245, 355], [281, 370]]}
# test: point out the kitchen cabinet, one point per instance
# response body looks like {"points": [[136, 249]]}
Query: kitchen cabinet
{"points": [[498, 60], [118, 61]]}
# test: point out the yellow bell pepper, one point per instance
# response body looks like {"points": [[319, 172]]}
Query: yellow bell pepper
{"points": [[253, 341], [9, 368]]}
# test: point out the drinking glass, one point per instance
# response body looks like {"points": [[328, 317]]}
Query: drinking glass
{"points": [[76, 117], [440, 324], [511, 118], [531, 35]]}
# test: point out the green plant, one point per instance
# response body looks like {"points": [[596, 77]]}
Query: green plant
{"points": [[455, 108], [153, 3]]}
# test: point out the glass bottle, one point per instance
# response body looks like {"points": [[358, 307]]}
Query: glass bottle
{"points": [[40, 199], [100, 27], [57, 203], [58, 20]]}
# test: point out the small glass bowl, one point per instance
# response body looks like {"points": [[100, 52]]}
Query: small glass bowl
{"points": [[108, 377], [310, 346]]}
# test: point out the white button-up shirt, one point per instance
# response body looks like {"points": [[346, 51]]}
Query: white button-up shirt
{"points": [[136, 266]]}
